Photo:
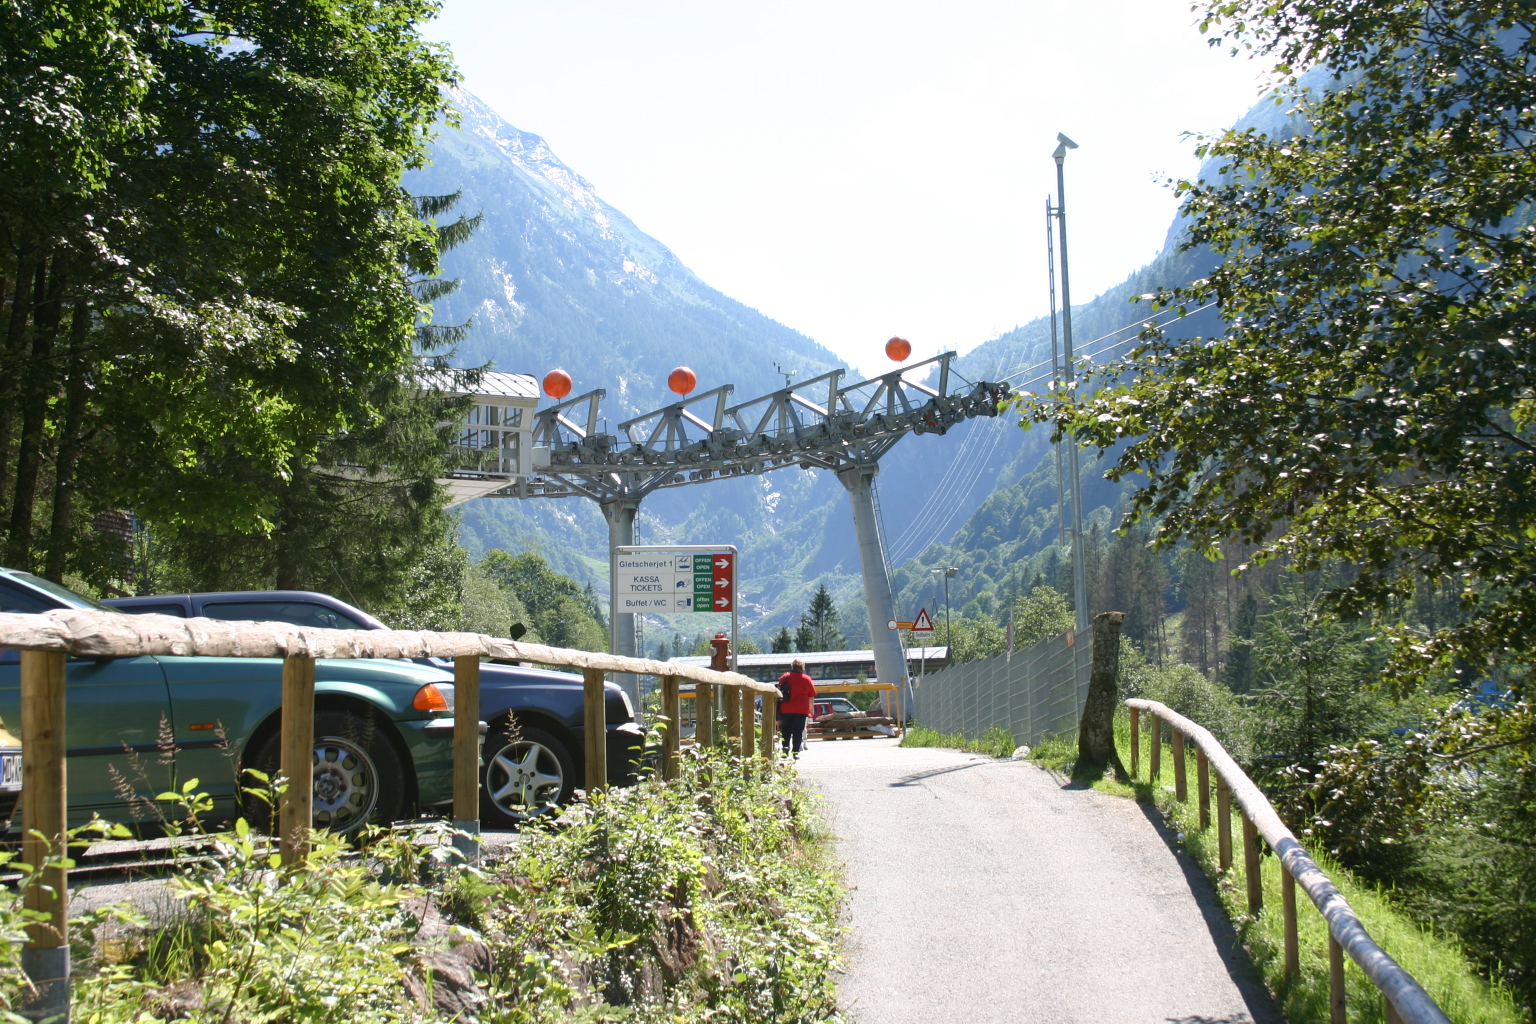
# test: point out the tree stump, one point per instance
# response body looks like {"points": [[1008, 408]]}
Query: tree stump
{"points": [[1096, 731]]}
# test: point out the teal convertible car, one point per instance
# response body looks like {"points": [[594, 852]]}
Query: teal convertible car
{"points": [[140, 726]]}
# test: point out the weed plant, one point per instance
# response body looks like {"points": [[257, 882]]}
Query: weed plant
{"points": [[712, 897]]}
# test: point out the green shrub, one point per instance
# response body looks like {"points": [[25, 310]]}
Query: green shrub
{"points": [[712, 897]]}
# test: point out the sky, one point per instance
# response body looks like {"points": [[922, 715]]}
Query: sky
{"points": [[858, 170]]}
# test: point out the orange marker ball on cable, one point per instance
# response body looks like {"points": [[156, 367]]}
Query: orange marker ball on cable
{"points": [[557, 383], [898, 349], [682, 380]]}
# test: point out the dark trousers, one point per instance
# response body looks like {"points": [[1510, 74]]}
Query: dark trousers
{"points": [[792, 728]]}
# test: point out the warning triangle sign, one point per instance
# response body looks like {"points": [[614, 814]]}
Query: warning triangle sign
{"points": [[922, 624]]}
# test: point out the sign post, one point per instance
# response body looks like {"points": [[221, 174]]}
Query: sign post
{"points": [[673, 578]]}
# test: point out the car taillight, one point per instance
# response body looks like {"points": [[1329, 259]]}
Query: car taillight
{"points": [[434, 697]]}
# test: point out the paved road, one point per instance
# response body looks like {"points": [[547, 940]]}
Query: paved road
{"points": [[986, 892]]}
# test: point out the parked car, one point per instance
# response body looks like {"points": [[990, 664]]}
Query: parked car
{"points": [[533, 753], [137, 725]]}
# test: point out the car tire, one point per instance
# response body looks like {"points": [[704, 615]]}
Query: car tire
{"points": [[359, 778], [524, 772]]}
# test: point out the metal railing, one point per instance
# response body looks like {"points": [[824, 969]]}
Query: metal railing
{"points": [[46, 642], [1406, 1000], [1032, 693]]}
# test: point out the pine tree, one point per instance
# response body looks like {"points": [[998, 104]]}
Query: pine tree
{"points": [[819, 624], [783, 642]]}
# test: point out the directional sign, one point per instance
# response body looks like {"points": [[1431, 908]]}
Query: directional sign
{"points": [[922, 624], [664, 581], [897, 624]]}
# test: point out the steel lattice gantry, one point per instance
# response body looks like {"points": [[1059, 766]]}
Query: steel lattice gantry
{"points": [[816, 424]]}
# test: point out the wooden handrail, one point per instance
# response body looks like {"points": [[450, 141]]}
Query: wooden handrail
{"points": [[115, 634], [1403, 993]]}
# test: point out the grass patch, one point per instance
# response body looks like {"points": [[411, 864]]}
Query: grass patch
{"points": [[995, 742], [1436, 961], [711, 898], [1059, 754]]}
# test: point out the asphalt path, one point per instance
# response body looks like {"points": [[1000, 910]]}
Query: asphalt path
{"points": [[996, 892]]}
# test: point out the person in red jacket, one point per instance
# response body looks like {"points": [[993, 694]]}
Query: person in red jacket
{"points": [[795, 707]]}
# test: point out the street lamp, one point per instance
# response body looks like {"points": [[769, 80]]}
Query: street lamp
{"points": [[948, 571]]}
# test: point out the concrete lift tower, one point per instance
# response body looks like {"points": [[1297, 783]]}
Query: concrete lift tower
{"points": [[814, 424]]}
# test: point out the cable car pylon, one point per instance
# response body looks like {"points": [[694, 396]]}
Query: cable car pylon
{"points": [[818, 423]]}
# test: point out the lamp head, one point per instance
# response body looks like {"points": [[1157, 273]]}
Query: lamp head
{"points": [[1062, 145]]}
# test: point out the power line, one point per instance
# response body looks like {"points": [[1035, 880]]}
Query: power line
{"points": [[970, 454], [1111, 334]]}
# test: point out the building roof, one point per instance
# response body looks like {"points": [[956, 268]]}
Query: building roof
{"points": [[495, 384]]}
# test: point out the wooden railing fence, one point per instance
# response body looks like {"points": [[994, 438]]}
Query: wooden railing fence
{"points": [[47, 641], [1406, 1000]]}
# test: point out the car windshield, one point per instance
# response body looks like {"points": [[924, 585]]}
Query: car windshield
{"points": [[63, 593]]}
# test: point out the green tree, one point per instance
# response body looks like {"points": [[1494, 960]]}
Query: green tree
{"points": [[1311, 695], [206, 261], [970, 638], [818, 626], [783, 642], [560, 610], [1039, 615], [1370, 398]]}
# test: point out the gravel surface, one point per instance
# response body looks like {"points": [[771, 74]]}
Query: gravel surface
{"points": [[992, 892]]}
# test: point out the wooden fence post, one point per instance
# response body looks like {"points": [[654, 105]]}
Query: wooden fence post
{"points": [[704, 715], [1155, 747], [1251, 867], [45, 809], [1180, 774], [1224, 822], [1135, 741], [671, 740], [595, 725], [466, 755], [296, 759], [1288, 906], [770, 739], [1203, 780], [1335, 982]]}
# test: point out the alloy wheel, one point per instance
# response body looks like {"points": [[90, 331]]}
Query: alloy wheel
{"points": [[346, 784], [522, 777]]}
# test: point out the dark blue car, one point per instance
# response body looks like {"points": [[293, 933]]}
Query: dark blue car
{"points": [[533, 751]]}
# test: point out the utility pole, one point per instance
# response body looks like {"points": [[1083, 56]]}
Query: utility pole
{"points": [[1079, 565], [1050, 273]]}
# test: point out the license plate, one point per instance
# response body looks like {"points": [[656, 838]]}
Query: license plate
{"points": [[10, 771]]}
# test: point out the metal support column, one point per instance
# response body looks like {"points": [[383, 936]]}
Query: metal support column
{"points": [[620, 514], [859, 479]]}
